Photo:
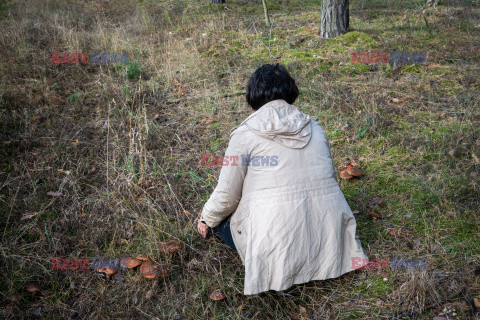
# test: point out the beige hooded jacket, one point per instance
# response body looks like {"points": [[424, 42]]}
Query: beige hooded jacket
{"points": [[291, 223]]}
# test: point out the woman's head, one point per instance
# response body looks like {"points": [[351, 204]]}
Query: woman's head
{"points": [[268, 83]]}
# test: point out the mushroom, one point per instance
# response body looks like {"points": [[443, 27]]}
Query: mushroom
{"points": [[33, 288], [150, 270], [130, 263], [345, 175], [109, 271], [217, 295], [354, 171], [143, 258], [169, 246]]}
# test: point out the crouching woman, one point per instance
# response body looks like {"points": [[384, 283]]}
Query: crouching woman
{"points": [[282, 210]]}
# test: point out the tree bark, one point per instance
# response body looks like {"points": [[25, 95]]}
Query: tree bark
{"points": [[335, 18], [217, 1], [267, 20]]}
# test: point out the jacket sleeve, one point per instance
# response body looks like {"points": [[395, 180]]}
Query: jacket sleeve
{"points": [[226, 196]]}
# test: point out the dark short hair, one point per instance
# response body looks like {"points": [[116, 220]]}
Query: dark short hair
{"points": [[270, 82]]}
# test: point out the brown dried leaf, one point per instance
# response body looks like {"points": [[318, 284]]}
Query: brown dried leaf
{"points": [[476, 301], [394, 233], [54, 193], [379, 201], [477, 161], [28, 216], [15, 298], [375, 214], [33, 288], [451, 152]]}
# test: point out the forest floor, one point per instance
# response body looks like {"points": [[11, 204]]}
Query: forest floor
{"points": [[103, 160]]}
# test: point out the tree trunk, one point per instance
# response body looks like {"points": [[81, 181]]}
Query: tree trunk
{"points": [[335, 18], [217, 1], [267, 20]]}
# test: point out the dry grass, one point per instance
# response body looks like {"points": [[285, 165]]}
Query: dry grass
{"points": [[122, 143]]}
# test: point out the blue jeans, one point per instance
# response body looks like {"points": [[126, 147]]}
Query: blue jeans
{"points": [[223, 229]]}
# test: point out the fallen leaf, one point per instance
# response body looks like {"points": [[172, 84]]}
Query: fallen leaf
{"points": [[54, 193], [217, 295], [395, 100], [149, 294], [477, 161], [355, 211], [451, 152], [37, 313], [476, 301], [15, 298], [143, 182], [8, 309], [374, 215], [379, 201], [75, 143], [33, 288], [11, 61], [394, 233], [28, 216]]}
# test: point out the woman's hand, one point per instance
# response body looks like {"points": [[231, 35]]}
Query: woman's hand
{"points": [[202, 228]]}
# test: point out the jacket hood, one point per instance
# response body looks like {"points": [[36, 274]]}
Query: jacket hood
{"points": [[281, 122]]}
